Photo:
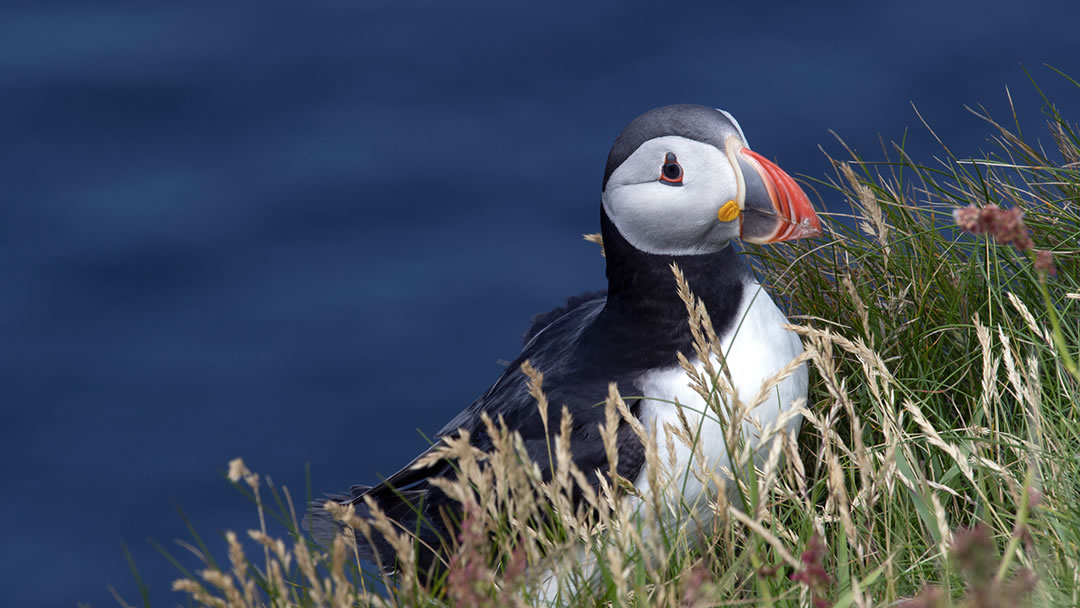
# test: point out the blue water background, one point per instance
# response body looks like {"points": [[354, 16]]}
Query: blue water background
{"points": [[298, 232]]}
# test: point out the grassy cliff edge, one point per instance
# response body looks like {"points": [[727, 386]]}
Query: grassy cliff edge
{"points": [[939, 463]]}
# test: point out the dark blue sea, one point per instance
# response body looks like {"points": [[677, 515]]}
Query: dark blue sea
{"points": [[299, 232]]}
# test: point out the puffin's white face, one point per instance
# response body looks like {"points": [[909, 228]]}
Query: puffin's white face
{"points": [[681, 180], [665, 198]]}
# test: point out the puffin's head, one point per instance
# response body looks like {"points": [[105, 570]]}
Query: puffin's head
{"points": [[681, 180]]}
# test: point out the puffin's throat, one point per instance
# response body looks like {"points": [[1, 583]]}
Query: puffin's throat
{"points": [[642, 290]]}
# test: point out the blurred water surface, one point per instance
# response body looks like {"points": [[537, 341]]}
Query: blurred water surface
{"points": [[298, 232]]}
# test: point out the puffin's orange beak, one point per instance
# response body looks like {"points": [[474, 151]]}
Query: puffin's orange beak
{"points": [[775, 208]]}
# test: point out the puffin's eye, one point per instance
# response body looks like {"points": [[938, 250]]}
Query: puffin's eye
{"points": [[671, 172]]}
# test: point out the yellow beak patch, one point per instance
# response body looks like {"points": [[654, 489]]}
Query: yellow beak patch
{"points": [[729, 211]]}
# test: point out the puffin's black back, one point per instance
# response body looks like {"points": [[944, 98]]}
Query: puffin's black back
{"points": [[638, 325]]}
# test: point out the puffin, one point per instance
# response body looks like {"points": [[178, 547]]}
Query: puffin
{"points": [[681, 186]]}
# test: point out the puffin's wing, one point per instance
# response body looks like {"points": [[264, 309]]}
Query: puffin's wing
{"points": [[572, 379], [403, 497], [509, 393], [541, 320], [409, 499], [550, 345]]}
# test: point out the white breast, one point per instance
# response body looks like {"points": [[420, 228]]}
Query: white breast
{"points": [[756, 347]]}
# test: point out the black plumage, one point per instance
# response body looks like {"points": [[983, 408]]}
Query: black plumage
{"points": [[639, 324]]}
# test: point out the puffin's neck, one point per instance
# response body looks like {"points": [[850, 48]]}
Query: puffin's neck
{"points": [[642, 289]]}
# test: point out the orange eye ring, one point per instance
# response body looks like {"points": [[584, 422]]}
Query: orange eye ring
{"points": [[671, 172]]}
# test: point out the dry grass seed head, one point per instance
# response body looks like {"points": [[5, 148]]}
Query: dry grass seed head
{"points": [[942, 524], [224, 583], [768, 475], [400, 541], [860, 306], [874, 223], [839, 497], [1029, 319], [768, 387], [536, 391], [275, 545], [598, 239], [935, 439], [704, 337], [1011, 370], [240, 565], [988, 398], [765, 535], [609, 430], [197, 593], [795, 467], [341, 584]]}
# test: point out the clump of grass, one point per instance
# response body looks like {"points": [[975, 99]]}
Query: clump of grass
{"points": [[938, 464]]}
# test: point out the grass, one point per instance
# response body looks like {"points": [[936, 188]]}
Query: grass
{"points": [[938, 464]]}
